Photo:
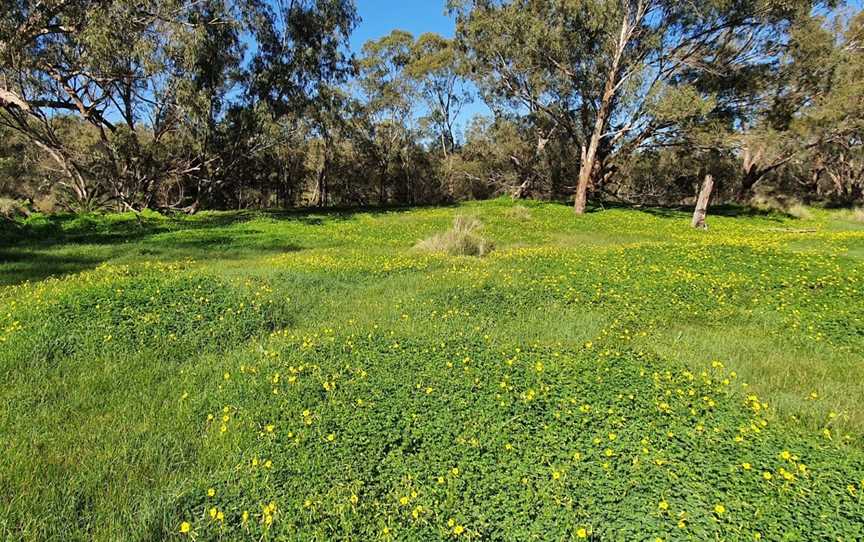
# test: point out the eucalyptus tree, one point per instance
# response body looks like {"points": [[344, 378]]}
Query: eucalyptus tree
{"points": [[390, 100], [118, 67], [154, 79], [300, 47], [810, 127], [437, 67], [300, 55], [411, 89], [43, 76], [838, 114], [614, 75]]}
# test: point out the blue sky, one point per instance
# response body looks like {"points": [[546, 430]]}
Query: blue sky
{"points": [[380, 17]]}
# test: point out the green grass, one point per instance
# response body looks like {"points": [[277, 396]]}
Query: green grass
{"points": [[618, 376]]}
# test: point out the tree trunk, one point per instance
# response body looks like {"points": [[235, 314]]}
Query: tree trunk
{"points": [[77, 183], [522, 190], [752, 175], [585, 167], [383, 167], [589, 155], [320, 196], [702, 203]]}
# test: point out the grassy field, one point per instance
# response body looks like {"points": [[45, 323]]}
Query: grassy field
{"points": [[312, 376]]}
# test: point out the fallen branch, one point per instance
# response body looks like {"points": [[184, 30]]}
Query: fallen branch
{"points": [[787, 230]]}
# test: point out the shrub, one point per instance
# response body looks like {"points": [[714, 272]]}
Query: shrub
{"points": [[788, 206], [12, 209], [463, 239]]}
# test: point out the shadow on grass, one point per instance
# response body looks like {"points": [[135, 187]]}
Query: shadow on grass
{"points": [[17, 267], [62, 244], [20, 264], [60, 229], [679, 211]]}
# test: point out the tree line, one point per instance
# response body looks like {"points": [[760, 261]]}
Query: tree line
{"points": [[225, 104]]}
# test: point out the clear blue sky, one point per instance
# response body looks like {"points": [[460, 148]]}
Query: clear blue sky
{"points": [[379, 17]]}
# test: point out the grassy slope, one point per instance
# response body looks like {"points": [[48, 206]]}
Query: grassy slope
{"points": [[586, 372]]}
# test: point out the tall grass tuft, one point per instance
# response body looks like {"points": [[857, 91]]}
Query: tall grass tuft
{"points": [[11, 209], [462, 239], [853, 215], [518, 213], [800, 211]]}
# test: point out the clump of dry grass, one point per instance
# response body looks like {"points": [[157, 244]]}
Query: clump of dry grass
{"points": [[854, 215], [799, 210], [766, 203], [462, 239], [11, 209], [518, 212], [47, 204]]}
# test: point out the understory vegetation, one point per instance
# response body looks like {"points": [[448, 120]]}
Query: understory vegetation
{"points": [[314, 376], [191, 105]]}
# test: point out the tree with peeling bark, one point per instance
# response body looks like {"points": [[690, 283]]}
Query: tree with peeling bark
{"points": [[614, 76], [120, 68], [154, 80], [439, 71], [810, 117]]}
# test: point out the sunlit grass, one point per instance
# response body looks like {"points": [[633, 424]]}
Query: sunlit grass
{"points": [[607, 376]]}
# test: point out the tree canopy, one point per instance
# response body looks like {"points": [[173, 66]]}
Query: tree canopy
{"points": [[179, 104]]}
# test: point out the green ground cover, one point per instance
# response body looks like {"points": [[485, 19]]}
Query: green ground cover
{"points": [[311, 376]]}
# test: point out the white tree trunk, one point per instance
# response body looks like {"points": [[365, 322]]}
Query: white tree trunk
{"points": [[702, 203]]}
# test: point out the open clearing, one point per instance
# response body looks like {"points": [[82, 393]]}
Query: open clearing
{"points": [[311, 376]]}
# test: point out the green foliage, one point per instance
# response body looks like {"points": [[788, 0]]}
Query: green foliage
{"points": [[508, 443], [233, 104], [147, 88], [679, 103], [300, 49], [620, 373], [613, 78], [807, 138]]}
